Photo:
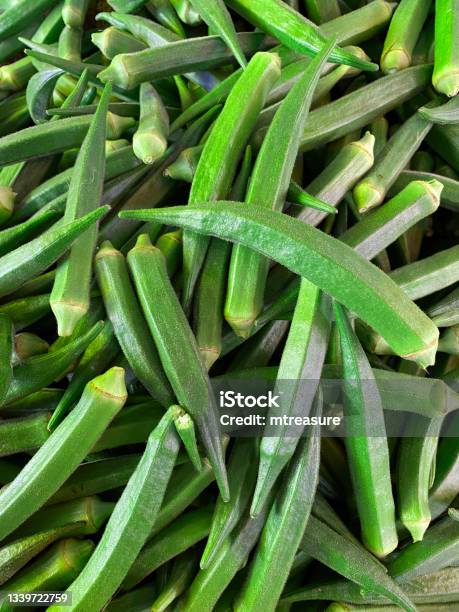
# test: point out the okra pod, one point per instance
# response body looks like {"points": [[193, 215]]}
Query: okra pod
{"points": [[446, 76], [193, 391], [64, 450], [150, 139]]}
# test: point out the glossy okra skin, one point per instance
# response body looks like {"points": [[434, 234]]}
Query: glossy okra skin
{"points": [[268, 187], [128, 322], [61, 454], [390, 162], [150, 139], [218, 162], [131, 521], [177, 346], [446, 78], [419, 339]]}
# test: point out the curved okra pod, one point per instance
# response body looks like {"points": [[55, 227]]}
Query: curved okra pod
{"points": [[70, 294], [35, 256], [242, 471], [130, 522], [219, 159], [438, 549], [268, 188], [64, 450], [402, 35], [376, 231], [96, 358], [127, 70], [351, 561], [128, 323], [53, 570], [415, 471], [372, 190], [16, 235], [6, 354], [182, 534], [366, 444], [278, 544], [293, 30], [343, 274], [217, 17], [296, 383], [39, 92], [180, 359], [150, 139], [185, 429], [446, 71]]}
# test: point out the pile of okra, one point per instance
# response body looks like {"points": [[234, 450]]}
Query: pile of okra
{"points": [[198, 192]]}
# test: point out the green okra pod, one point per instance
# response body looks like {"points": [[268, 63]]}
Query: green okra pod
{"points": [[180, 57], [446, 312], [185, 429], [278, 543], [292, 29], [217, 17], [209, 299], [6, 354], [357, 109], [193, 391], [15, 555], [70, 294], [268, 187], [128, 323], [23, 434], [182, 573], [130, 522], [444, 487], [21, 14], [380, 228], [27, 345], [39, 371], [96, 476], [297, 380], [60, 455], [438, 549], [242, 471], [16, 235], [449, 341], [361, 24], [218, 162], [405, 27], [264, 230], [96, 358], [446, 70], [415, 467], [187, 12], [70, 43], [53, 570], [372, 190], [366, 444], [87, 514], [444, 114], [112, 42], [74, 12], [150, 139], [321, 12], [352, 561], [129, 602], [164, 12], [170, 244], [182, 534]]}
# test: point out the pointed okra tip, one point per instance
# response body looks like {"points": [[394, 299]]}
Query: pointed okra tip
{"points": [[367, 196], [111, 384], [117, 72], [417, 528]]}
